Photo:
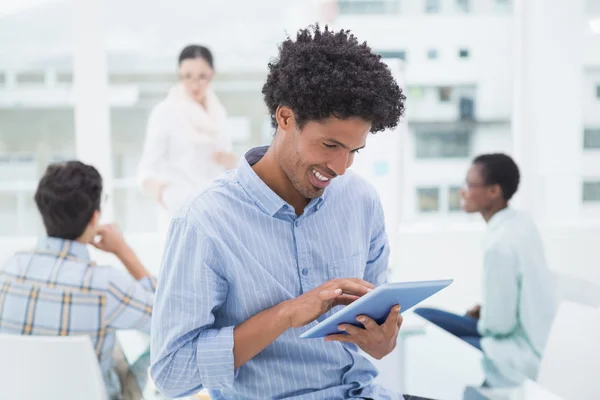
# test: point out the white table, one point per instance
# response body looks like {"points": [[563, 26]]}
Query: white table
{"points": [[530, 390]]}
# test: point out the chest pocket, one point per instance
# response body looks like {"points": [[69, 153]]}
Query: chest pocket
{"points": [[349, 267]]}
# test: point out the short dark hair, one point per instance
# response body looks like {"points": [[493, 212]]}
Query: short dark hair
{"points": [[500, 169], [67, 196], [325, 74], [196, 51]]}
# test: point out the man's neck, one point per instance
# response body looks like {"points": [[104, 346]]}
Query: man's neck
{"points": [[488, 214], [271, 173]]}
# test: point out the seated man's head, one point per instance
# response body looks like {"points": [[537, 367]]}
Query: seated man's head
{"points": [[68, 197], [491, 182], [325, 93]]}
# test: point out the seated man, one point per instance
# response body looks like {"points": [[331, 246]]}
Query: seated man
{"points": [[255, 260], [56, 289], [513, 322]]}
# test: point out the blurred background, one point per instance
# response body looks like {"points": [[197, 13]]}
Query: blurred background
{"points": [[480, 76], [79, 78]]}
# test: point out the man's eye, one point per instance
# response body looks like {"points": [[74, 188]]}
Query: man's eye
{"points": [[329, 146]]}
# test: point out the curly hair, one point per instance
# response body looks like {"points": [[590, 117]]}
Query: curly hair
{"points": [[67, 196], [327, 74]]}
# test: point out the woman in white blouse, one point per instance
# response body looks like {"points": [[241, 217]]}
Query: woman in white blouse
{"points": [[186, 143]]}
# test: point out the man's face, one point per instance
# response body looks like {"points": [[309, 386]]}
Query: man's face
{"points": [[477, 195], [312, 157]]}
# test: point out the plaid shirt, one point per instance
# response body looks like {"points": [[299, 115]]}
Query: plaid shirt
{"points": [[56, 290]]}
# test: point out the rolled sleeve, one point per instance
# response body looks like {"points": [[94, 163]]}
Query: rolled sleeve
{"points": [[499, 307], [188, 352], [129, 302], [149, 283], [215, 357]]}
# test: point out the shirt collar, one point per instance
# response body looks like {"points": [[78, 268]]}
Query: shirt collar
{"points": [[263, 195], [64, 247], [500, 217]]}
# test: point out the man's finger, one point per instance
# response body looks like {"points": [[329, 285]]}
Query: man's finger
{"points": [[393, 317], [367, 322], [340, 338], [345, 299], [329, 294], [351, 329], [354, 288], [400, 320], [362, 282]]}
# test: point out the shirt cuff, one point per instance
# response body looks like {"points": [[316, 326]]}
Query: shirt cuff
{"points": [[215, 358], [148, 282]]}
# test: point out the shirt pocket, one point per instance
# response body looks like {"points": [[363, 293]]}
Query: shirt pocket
{"points": [[348, 267]]}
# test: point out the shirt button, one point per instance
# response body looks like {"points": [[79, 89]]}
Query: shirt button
{"points": [[305, 271]]}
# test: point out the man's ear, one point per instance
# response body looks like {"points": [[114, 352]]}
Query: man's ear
{"points": [[95, 221], [286, 120], [496, 191]]}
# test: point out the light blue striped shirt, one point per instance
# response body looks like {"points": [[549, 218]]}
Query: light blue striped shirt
{"points": [[238, 249]]}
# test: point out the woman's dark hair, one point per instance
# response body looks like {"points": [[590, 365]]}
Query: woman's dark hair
{"points": [[323, 74], [196, 51], [67, 197]]}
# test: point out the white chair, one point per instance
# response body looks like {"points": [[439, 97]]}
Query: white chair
{"points": [[577, 290], [571, 360], [49, 368]]}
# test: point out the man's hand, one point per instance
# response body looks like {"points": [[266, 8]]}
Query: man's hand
{"points": [[376, 340], [311, 305], [474, 312], [111, 240]]}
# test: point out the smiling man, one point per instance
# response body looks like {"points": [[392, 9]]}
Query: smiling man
{"points": [[273, 246]]}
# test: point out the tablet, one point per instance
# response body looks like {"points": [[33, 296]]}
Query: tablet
{"points": [[377, 305]]}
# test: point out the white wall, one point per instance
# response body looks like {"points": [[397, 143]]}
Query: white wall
{"points": [[591, 103]]}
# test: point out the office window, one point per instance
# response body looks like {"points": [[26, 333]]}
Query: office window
{"points": [[17, 167], [462, 5], [598, 91], [591, 139], [454, 198], [416, 92], [593, 6], [432, 54], [445, 94], [31, 77], [591, 192], [463, 53], [428, 199], [31, 139], [2, 78], [368, 7], [401, 54], [432, 6], [9, 220], [64, 77], [445, 144]]}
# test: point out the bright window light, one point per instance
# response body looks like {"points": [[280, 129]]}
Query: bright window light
{"points": [[595, 25]]}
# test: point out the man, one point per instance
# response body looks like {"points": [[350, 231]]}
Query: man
{"points": [[513, 322], [56, 289], [273, 246]]}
